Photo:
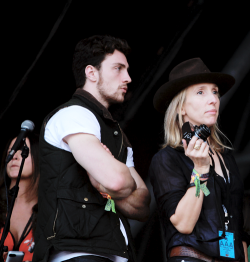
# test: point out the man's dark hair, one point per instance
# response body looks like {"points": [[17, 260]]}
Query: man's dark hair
{"points": [[92, 51]]}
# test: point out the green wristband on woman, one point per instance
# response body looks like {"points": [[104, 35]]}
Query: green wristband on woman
{"points": [[195, 177]]}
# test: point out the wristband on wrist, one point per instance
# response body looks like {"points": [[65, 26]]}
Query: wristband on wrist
{"points": [[196, 180], [110, 205], [193, 184]]}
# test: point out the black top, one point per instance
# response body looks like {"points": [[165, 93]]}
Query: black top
{"points": [[170, 172]]}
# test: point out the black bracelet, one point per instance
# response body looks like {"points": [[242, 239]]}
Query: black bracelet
{"points": [[193, 184], [190, 185]]}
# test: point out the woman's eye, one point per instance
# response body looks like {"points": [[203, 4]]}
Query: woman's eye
{"points": [[199, 93]]}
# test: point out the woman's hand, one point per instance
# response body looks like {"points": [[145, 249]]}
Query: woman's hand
{"points": [[199, 156]]}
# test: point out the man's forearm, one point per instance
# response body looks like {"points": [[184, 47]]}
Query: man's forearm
{"points": [[119, 194], [135, 206]]}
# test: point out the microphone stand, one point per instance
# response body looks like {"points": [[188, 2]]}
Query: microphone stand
{"points": [[24, 154]]}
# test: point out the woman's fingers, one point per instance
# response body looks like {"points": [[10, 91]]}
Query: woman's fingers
{"points": [[184, 142], [5, 255], [191, 145], [197, 151]]}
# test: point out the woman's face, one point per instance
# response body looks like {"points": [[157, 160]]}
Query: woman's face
{"points": [[14, 165], [201, 104]]}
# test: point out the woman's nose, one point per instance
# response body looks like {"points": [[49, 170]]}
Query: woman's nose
{"points": [[213, 99], [17, 155]]}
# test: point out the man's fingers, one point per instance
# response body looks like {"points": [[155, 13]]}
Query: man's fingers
{"points": [[106, 148]]}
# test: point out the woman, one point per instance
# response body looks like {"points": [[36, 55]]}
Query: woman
{"points": [[246, 215], [22, 221], [197, 227]]}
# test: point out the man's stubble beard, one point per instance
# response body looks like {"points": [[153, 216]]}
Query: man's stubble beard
{"points": [[110, 99]]}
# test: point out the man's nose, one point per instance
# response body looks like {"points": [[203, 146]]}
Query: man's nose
{"points": [[127, 78]]}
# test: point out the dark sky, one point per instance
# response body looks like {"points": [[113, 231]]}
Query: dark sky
{"points": [[150, 29]]}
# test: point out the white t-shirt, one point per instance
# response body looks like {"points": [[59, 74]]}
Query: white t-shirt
{"points": [[72, 120]]}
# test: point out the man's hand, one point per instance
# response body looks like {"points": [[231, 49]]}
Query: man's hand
{"points": [[135, 206], [107, 174]]}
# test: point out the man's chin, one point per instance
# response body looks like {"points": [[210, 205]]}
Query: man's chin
{"points": [[116, 101]]}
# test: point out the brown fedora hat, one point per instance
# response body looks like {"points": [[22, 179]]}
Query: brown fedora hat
{"points": [[187, 73]]}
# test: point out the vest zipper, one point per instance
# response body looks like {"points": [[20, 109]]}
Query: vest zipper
{"points": [[48, 238], [121, 143]]}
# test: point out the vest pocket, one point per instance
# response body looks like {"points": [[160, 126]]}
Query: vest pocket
{"points": [[78, 214]]}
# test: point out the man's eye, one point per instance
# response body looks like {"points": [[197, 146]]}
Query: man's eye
{"points": [[118, 68], [199, 93]]}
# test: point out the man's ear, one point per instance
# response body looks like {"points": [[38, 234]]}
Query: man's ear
{"points": [[91, 73]]}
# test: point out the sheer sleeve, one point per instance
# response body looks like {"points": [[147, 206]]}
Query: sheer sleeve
{"points": [[169, 176], [234, 171]]}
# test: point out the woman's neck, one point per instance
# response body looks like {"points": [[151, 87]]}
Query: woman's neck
{"points": [[25, 193]]}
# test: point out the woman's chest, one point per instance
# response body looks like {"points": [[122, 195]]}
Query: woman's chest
{"points": [[219, 166], [18, 223]]}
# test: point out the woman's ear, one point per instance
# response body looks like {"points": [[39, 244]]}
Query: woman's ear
{"points": [[183, 112]]}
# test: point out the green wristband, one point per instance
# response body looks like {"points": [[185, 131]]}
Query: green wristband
{"points": [[110, 205]]}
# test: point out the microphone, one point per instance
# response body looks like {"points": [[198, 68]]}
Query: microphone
{"points": [[26, 126]]}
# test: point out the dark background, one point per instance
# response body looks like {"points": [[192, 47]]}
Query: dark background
{"points": [[161, 35]]}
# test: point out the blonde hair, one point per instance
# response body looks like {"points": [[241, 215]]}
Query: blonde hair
{"points": [[173, 123]]}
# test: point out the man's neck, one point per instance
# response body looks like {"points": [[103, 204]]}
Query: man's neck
{"points": [[95, 93]]}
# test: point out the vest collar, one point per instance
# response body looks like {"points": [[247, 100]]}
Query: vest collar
{"points": [[101, 108]]}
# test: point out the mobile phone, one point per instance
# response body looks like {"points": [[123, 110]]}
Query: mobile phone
{"points": [[15, 256]]}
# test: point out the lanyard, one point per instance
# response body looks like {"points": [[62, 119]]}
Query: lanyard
{"points": [[227, 214], [224, 219]]}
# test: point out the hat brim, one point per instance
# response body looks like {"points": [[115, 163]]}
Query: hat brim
{"points": [[169, 90]]}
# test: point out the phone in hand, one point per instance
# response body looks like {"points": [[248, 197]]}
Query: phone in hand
{"points": [[15, 256]]}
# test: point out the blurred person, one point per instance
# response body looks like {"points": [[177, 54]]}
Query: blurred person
{"points": [[88, 184], [246, 214], [22, 222], [197, 185]]}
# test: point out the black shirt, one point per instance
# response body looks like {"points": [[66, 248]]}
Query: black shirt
{"points": [[170, 172]]}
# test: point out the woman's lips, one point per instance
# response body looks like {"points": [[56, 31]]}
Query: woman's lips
{"points": [[14, 166], [212, 112]]}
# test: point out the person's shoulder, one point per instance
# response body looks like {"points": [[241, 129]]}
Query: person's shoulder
{"points": [[227, 153], [74, 109], [72, 113], [167, 153], [170, 150]]}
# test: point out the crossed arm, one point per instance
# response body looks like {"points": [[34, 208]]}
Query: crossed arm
{"points": [[111, 176], [136, 205]]}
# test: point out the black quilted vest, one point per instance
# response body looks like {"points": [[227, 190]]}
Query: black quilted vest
{"points": [[71, 215]]}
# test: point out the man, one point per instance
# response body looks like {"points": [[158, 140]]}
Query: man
{"points": [[87, 163]]}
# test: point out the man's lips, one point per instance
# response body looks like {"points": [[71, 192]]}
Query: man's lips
{"points": [[124, 88]]}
